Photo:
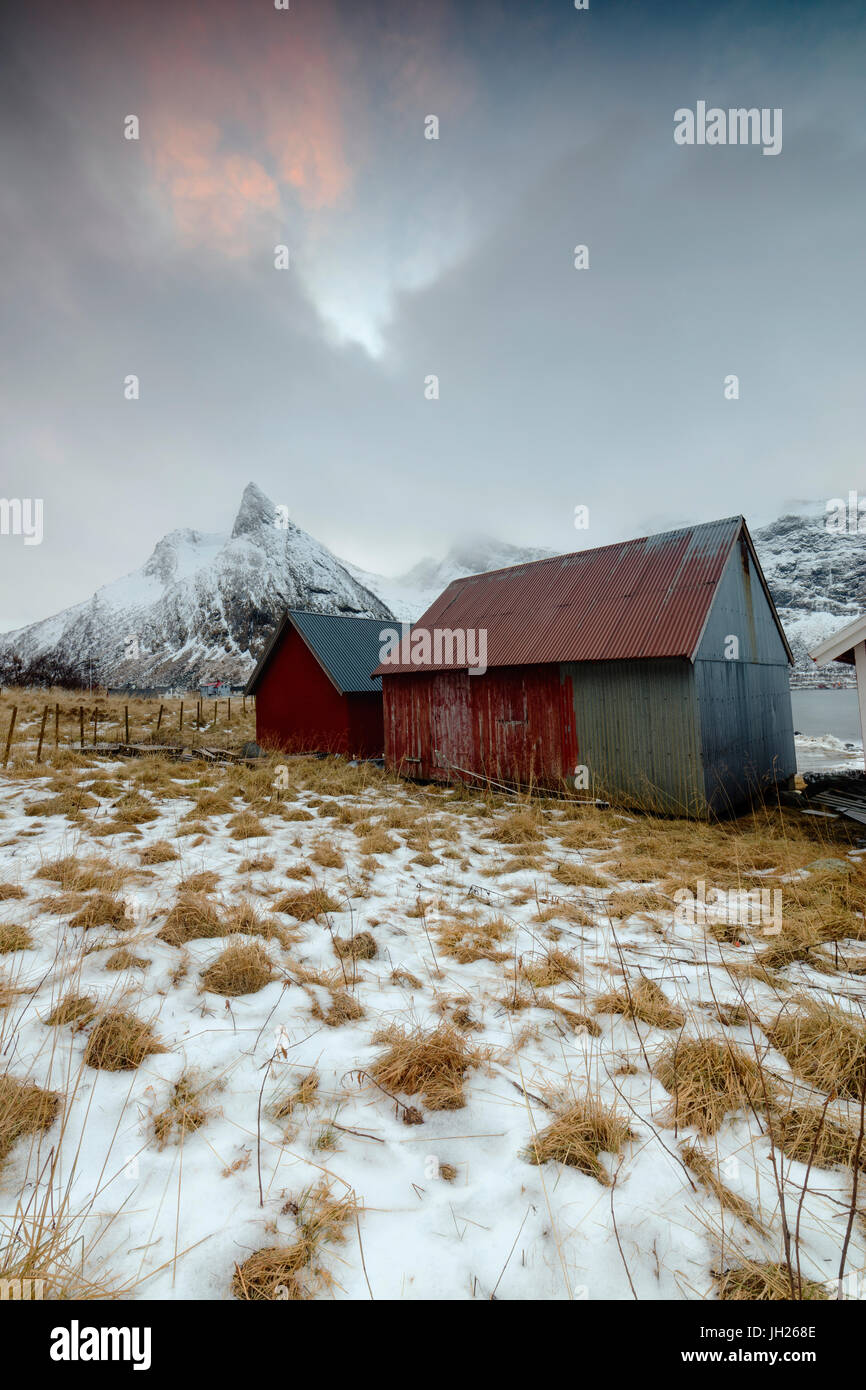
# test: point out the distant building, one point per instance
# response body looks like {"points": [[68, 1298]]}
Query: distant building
{"points": [[848, 645], [314, 687], [654, 672]]}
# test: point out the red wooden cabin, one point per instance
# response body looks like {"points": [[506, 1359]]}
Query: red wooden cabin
{"points": [[314, 687]]}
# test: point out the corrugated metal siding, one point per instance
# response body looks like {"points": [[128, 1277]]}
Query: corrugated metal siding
{"points": [[638, 734], [641, 598], [746, 728], [509, 725], [740, 609], [746, 720]]}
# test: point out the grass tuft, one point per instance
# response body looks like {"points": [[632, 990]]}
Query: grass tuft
{"points": [[708, 1080], [578, 1135]]}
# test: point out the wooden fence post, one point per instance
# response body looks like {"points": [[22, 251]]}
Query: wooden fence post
{"points": [[180, 719], [9, 735], [159, 719], [95, 722], [56, 727], [81, 724], [230, 709], [41, 734]]}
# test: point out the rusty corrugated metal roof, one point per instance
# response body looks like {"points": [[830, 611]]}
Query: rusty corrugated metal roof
{"points": [[645, 598]]}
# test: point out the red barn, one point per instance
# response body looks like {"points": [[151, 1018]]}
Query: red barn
{"points": [[314, 687], [654, 672]]}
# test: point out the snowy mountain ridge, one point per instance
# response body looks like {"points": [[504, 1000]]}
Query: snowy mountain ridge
{"points": [[201, 607], [204, 604], [816, 574]]}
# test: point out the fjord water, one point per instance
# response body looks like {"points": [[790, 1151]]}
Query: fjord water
{"points": [[834, 712]]}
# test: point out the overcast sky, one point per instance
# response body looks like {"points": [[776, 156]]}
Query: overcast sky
{"points": [[411, 257]]}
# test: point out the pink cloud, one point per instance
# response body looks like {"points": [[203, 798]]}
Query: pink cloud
{"points": [[214, 194], [241, 115]]}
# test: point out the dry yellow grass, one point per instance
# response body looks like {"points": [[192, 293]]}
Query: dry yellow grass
{"points": [[120, 1042], [431, 1064], [80, 875], [303, 1093], [246, 826], [577, 876], [14, 938], [259, 864], [633, 902], [760, 1283], [208, 802], [698, 1163], [343, 1008], [359, 947], [633, 868], [272, 1274], [102, 910], [290, 812], [124, 959], [822, 1044], [551, 969], [523, 827], [71, 802], [160, 852], [799, 941], [203, 882], [242, 968], [244, 917], [133, 809], [9, 891], [707, 1081], [577, 1136], [193, 917], [327, 855], [308, 906], [399, 976], [72, 1008], [24, 1109], [474, 939], [378, 841], [646, 1002], [809, 1135], [184, 1113]]}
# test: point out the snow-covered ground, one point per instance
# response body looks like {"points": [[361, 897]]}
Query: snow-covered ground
{"points": [[446, 1208]]}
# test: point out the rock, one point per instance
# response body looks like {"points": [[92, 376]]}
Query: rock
{"points": [[830, 866], [251, 750]]}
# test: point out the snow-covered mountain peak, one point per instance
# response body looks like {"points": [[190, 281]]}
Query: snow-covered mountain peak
{"points": [[255, 512], [202, 605]]}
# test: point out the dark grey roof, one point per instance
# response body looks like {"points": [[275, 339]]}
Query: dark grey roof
{"points": [[348, 649]]}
